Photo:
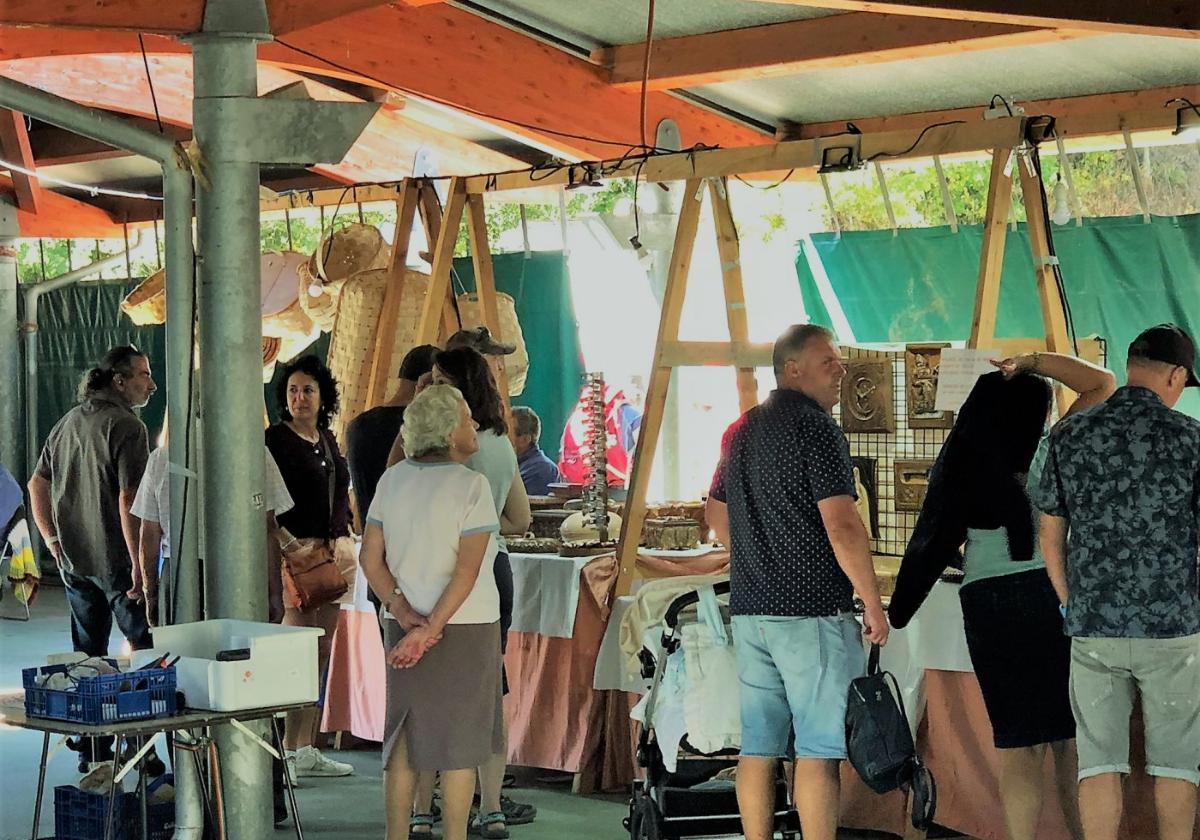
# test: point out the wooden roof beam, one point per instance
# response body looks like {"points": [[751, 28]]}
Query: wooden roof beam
{"points": [[53, 146], [1180, 18], [799, 46], [508, 78], [1078, 116], [62, 216], [14, 148], [169, 18]]}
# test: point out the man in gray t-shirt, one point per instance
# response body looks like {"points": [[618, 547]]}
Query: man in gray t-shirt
{"points": [[81, 493]]}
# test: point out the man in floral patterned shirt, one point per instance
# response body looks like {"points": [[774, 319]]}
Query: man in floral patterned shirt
{"points": [[1120, 530]]}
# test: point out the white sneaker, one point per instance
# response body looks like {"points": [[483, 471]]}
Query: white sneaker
{"points": [[289, 764], [310, 762]]}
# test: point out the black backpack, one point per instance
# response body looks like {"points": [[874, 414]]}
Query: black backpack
{"points": [[879, 743]]}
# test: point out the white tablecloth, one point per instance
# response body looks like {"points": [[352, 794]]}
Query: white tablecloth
{"points": [[545, 593]]}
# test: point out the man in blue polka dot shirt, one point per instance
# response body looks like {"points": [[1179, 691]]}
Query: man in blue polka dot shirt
{"points": [[782, 499]]}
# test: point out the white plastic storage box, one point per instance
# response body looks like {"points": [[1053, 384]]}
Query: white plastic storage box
{"points": [[228, 664]]}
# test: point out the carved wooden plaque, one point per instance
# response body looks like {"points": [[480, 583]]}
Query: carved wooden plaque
{"points": [[922, 363], [867, 392], [912, 482]]}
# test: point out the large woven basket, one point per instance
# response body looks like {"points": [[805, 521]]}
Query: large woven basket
{"points": [[344, 253], [353, 343], [516, 364], [146, 304], [283, 316]]}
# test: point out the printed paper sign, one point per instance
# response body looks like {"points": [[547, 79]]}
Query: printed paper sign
{"points": [[957, 375]]}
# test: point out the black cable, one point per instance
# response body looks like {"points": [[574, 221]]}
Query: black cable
{"points": [[1047, 224], [1007, 107], [769, 187], [150, 82], [916, 142]]}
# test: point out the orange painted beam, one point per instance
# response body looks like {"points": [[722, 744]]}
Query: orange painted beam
{"points": [[62, 216], [384, 152], [170, 17], [800, 46], [1179, 18], [14, 148], [459, 59]]}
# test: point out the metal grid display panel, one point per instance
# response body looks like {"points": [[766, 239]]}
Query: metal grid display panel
{"points": [[894, 527]]}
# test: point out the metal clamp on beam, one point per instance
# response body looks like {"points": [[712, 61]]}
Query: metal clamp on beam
{"points": [[1047, 260]]}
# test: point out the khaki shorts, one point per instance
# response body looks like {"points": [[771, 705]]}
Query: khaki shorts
{"points": [[1165, 673]]}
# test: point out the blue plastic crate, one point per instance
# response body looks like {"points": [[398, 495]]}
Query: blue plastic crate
{"points": [[105, 698], [80, 815]]}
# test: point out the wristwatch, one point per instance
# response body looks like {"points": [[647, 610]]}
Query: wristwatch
{"points": [[395, 591]]}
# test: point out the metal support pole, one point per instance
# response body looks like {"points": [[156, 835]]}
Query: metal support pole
{"points": [[231, 456], [10, 354], [1135, 169], [887, 198], [182, 603], [947, 201], [1064, 163]]}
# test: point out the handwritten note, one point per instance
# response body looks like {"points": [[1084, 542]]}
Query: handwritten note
{"points": [[957, 374]]}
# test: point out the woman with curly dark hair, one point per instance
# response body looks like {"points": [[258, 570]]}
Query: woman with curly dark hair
{"points": [[318, 480]]}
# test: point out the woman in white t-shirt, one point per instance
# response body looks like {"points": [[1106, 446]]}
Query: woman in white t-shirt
{"points": [[431, 528]]}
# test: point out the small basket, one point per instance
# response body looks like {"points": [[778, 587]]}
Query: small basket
{"points": [[105, 698], [81, 814], [146, 303]]}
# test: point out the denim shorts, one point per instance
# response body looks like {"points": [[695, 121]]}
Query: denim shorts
{"points": [[794, 674], [1165, 673]]}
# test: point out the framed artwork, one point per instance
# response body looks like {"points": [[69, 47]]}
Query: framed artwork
{"points": [[922, 363], [912, 482], [866, 487], [867, 396]]}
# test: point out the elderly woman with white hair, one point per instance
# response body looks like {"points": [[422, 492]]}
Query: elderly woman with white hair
{"points": [[431, 528]]}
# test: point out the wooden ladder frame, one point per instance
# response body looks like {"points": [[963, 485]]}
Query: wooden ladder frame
{"points": [[991, 260], [439, 313], [670, 353]]}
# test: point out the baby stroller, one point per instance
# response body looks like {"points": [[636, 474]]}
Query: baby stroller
{"points": [[691, 733]]}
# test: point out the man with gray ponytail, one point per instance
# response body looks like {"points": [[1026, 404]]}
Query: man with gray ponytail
{"points": [[81, 493]]}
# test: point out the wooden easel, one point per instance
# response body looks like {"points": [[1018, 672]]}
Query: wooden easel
{"points": [[991, 260], [670, 353], [439, 313]]}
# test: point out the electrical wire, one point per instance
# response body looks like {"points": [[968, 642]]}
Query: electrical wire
{"points": [[1036, 160], [150, 82], [646, 67], [1007, 106], [90, 190], [916, 142], [769, 187]]}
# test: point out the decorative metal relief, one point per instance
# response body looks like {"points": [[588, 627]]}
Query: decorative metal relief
{"points": [[912, 482], [922, 363], [867, 392]]}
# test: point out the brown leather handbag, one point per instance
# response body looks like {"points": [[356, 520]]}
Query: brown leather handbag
{"points": [[311, 576]]}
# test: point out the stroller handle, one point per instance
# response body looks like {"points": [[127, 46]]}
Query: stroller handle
{"points": [[686, 600]]}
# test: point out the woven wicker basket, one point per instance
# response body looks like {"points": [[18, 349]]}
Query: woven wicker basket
{"points": [[146, 304], [516, 365], [353, 343], [344, 253]]}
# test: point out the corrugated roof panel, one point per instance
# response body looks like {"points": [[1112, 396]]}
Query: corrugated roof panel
{"points": [[596, 23], [1073, 68]]}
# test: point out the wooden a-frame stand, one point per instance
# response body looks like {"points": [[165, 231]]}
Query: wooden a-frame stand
{"points": [[439, 313]]}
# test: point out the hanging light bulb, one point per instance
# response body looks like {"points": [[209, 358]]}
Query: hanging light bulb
{"points": [[1060, 210]]}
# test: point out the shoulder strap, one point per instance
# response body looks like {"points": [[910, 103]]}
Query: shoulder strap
{"points": [[873, 661], [330, 472]]}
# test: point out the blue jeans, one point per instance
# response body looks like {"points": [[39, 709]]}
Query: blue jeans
{"points": [[95, 602], [794, 674]]}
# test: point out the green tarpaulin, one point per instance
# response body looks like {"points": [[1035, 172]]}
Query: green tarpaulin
{"points": [[1121, 276], [77, 326], [542, 292], [541, 289]]}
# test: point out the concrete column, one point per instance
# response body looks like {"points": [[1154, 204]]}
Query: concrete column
{"points": [[231, 434], [10, 354]]}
